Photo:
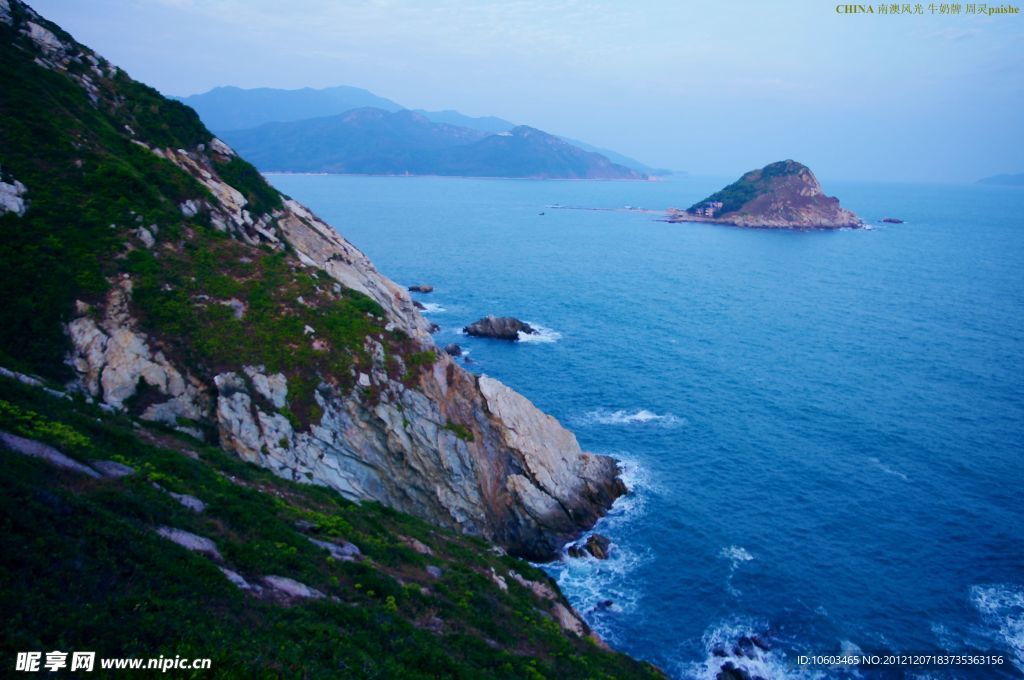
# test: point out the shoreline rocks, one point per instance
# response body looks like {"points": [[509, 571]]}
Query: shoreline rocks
{"points": [[596, 545], [421, 288], [499, 328]]}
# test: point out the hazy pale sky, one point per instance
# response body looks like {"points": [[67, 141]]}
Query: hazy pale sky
{"points": [[708, 87]]}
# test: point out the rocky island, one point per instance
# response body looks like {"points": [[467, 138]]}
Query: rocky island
{"points": [[782, 195], [225, 434]]}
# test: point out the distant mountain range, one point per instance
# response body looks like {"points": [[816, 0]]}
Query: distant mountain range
{"points": [[233, 108], [379, 142], [402, 144], [1004, 180]]}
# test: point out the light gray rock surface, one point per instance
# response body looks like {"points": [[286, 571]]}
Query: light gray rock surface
{"points": [[34, 449], [522, 480], [12, 197], [291, 588], [190, 541], [347, 552], [239, 581], [111, 357], [111, 468], [190, 502]]}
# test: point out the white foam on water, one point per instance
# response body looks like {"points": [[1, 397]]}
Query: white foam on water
{"points": [[724, 637], [736, 555], [432, 308], [850, 648], [588, 582], [1001, 606], [543, 334], [625, 417], [945, 637], [888, 470]]}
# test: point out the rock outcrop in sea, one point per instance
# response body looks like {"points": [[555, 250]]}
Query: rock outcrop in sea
{"points": [[228, 311], [783, 195], [499, 327], [596, 545]]}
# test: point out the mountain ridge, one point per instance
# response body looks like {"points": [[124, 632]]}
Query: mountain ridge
{"points": [[229, 109], [374, 141]]}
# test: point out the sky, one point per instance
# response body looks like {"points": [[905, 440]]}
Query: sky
{"points": [[715, 88]]}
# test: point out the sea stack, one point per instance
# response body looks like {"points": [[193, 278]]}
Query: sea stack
{"points": [[782, 195], [499, 327]]}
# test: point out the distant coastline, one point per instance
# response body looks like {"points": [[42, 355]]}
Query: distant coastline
{"points": [[1004, 180], [422, 175]]}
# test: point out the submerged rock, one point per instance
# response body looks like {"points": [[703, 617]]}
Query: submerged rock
{"points": [[892, 220], [499, 327], [421, 288], [730, 671]]}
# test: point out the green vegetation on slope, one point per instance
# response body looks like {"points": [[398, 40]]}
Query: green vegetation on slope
{"points": [[247, 179], [81, 567], [285, 317], [749, 186], [85, 551], [88, 184]]}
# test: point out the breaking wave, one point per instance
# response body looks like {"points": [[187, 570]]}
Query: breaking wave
{"points": [[602, 590], [543, 334], [1001, 606], [624, 417], [744, 645], [736, 555]]}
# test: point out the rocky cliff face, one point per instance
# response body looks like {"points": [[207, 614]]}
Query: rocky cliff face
{"points": [[227, 308], [785, 194]]}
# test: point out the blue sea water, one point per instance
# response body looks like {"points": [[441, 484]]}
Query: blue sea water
{"points": [[823, 430]]}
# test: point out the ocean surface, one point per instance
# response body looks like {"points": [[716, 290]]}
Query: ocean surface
{"points": [[823, 431]]}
